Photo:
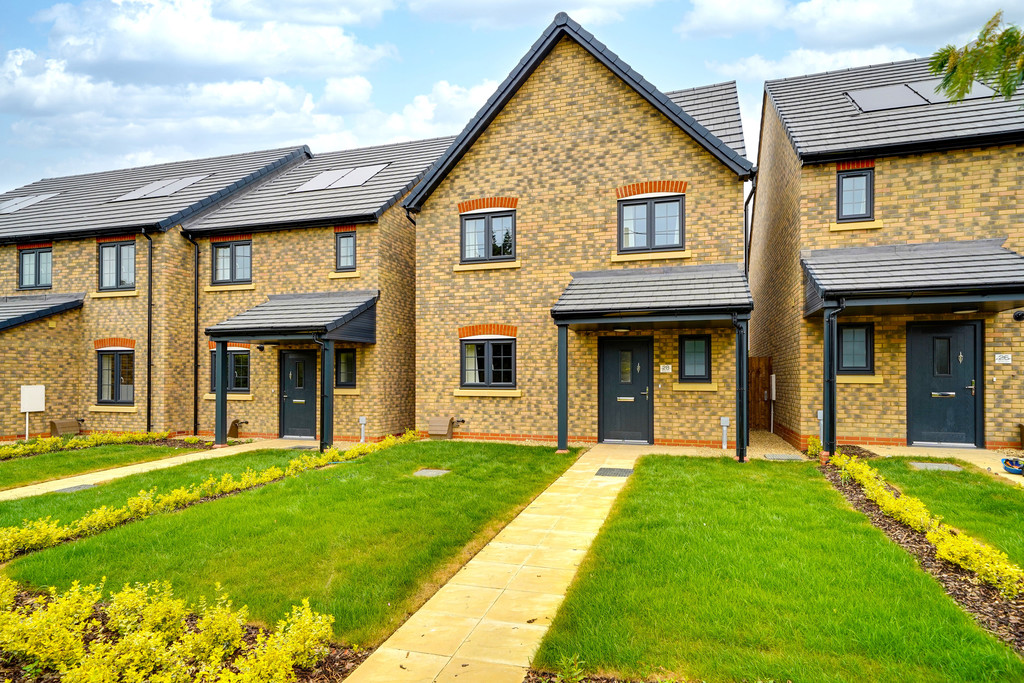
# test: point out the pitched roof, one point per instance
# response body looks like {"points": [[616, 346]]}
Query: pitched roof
{"points": [[824, 121], [563, 26], [677, 289], [17, 310], [280, 202], [911, 269], [313, 313], [717, 108], [111, 202]]}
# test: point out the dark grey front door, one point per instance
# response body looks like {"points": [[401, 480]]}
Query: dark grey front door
{"points": [[298, 393], [624, 383], [944, 383]]}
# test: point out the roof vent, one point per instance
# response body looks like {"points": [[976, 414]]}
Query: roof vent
{"points": [[161, 188], [18, 203], [341, 177]]}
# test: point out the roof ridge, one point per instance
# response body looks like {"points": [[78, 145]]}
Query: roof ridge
{"points": [[848, 69], [385, 145]]}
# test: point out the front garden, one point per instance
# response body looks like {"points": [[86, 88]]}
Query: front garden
{"points": [[22, 471]]}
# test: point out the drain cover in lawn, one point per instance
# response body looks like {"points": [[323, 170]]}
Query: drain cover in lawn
{"points": [[783, 456], [427, 472], [72, 489], [944, 466], [614, 472]]}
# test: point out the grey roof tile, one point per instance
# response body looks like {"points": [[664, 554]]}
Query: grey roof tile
{"points": [[678, 289], [823, 122], [277, 204], [717, 108], [86, 204], [17, 310], [318, 312]]}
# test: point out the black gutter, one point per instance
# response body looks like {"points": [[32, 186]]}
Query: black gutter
{"points": [[916, 147], [83, 234], [363, 219], [195, 332], [618, 315], [149, 334]]}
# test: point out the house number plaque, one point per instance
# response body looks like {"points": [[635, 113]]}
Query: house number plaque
{"points": [[1004, 358]]}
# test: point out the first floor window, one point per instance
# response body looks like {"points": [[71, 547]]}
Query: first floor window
{"points": [[232, 262], [695, 358], [345, 368], [489, 363], [856, 195], [117, 377], [345, 244], [651, 224], [117, 265], [35, 266], [238, 371], [856, 349], [489, 237]]}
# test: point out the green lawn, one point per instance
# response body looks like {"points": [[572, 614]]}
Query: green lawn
{"points": [[70, 506], [47, 466], [715, 571], [365, 541], [974, 501]]}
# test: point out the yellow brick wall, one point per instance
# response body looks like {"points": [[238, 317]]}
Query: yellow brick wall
{"points": [[569, 137]]}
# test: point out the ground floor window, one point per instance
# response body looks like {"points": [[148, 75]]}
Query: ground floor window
{"points": [[345, 368], [857, 349], [694, 358], [238, 371], [116, 377], [489, 363]]}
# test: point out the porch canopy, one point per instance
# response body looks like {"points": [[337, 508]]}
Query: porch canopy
{"points": [[320, 317], [17, 310], [656, 298], [941, 277]]}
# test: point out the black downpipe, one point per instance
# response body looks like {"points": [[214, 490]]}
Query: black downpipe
{"points": [[195, 333], [831, 353], [747, 227], [149, 333], [408, 214]]}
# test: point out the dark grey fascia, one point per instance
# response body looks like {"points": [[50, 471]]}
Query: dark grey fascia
{"points": [[903, 149], [364, 219], [992, 302]]}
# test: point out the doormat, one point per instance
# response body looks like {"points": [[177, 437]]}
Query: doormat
{"points": [[72, 489], [427, 472], [943, 466], [614, 472], [784, 456]]}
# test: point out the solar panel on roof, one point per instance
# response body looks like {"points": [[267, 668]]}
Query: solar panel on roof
{"points": [[342, 177], [926, 89], [886, 97], [18, 203], [323, 180], [161, 188]]}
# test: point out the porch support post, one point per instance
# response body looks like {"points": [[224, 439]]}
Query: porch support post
{"points": [[220, 431], [831, 353], [742, 404], [327, 395], [563, 387]]}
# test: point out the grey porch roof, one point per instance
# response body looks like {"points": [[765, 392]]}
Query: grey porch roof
{"points": [[16, 310], [717, 108], [564, 26], [978, 266], [276, 204], [824, 123], [85, 204], [320, 313], [678, 290]]}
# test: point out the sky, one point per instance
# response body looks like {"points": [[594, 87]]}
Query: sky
{"points": [[92, 85]]}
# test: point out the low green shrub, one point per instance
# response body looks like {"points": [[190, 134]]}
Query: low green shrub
{"points": [[814, 447], [147, 637], [990, 565], [46, 532], [51, 444]]}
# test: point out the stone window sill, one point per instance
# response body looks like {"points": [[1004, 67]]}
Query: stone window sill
{"points": [[695, 386], [496, 265], [341, 275], [231, 397], [346, 391], [494, 393], [651, 255], [113, 409], [855, 225], [860, 379], [229, 288], [113, 294]]}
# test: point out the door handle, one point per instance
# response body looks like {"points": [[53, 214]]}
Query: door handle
{"points": [[972, 387], [943, 394], [646, 392]]}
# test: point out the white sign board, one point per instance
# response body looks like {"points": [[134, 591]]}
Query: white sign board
{"points": [[1004, 358], [33, 398], [666, 368]]}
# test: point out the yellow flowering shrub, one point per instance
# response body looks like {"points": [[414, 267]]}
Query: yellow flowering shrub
{"points": [[51, 444], [990, 565]]}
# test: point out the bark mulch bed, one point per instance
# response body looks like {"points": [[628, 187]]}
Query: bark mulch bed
{"points": [[997, 615], [857, 451]]}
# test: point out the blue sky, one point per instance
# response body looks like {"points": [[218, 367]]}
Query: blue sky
{"points": [[92, 85]]}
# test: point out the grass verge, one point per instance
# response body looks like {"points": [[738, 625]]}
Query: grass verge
{"points": [[976, 502], [719, 572], [366, 541], [39, 468]]}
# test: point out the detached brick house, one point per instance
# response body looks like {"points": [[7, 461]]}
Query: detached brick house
{"points": [[580, 246], [885, 259]]}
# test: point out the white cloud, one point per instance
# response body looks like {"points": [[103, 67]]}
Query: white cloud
{"points": [[445, 110], [506, 13], [728, 17], [346, 94], [798, 62], [336, 12]]}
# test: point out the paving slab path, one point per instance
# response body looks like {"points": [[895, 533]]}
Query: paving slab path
{"points": [[93, 478]]}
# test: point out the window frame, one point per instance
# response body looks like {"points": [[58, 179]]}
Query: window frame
{"points": [[488, 382], [488, 217], [36, 252], [337, 366], [649, 202], [233, 278], [869, 343], [115, 386], [869, 213], [338, 237], [232, 353], [706, 377], [117, 246]]}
